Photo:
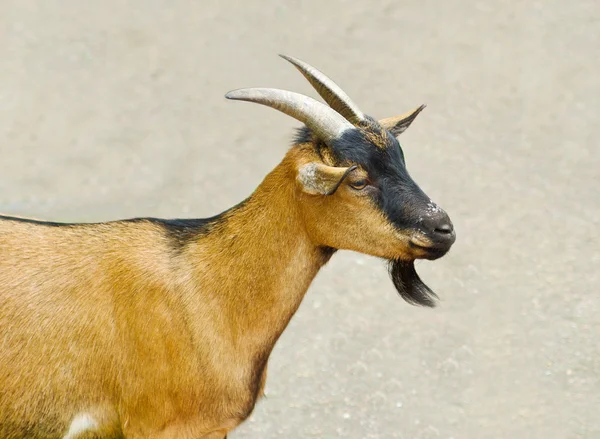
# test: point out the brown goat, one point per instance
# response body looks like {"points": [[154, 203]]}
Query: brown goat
{"points": [[150, 328]]}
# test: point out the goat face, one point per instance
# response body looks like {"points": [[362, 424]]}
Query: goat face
{"points": [[361, 197], [383, 187], [355, 191]]}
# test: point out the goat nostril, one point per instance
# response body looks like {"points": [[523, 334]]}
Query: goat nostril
{"points": [[444, 229]]}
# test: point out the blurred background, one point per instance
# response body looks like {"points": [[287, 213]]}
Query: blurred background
{"points": [[114, 109]]}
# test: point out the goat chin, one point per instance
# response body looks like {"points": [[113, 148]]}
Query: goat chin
{"points": [[409, 285]]}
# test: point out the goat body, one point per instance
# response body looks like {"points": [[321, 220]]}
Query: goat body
{"points": [[160, 329]]}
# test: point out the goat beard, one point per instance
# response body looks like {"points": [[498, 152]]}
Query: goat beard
{"points": [[409, 285]]}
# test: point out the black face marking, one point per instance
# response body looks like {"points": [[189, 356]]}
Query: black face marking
{"points": [[398, 196], [395, 193]]}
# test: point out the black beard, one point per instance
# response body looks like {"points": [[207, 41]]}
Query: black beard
{"points": [[409, 285]]}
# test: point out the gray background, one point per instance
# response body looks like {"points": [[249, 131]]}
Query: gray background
{"points": [[113, 109]]}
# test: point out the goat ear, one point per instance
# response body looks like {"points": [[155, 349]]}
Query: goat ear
{"points": [[398, 124], [320, 179]]}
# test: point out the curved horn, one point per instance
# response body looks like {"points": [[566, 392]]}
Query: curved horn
{"points": [[329, 90], [322, 120]]}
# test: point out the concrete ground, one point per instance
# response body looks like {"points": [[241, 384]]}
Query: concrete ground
{"points": [[113, 109]]}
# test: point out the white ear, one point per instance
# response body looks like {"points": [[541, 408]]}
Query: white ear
{"points": [[398, 124], [319, 179]]}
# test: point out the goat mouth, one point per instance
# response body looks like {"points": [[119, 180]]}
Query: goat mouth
{"points": [[429, 251], [409, 285]]}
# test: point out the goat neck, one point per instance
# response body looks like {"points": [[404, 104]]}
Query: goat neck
{"points": [[264, 243]]}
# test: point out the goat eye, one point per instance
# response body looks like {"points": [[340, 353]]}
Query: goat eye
{"points": [[359, 184]]}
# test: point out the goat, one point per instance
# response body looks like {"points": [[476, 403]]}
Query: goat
{"points": [[155, 328]]}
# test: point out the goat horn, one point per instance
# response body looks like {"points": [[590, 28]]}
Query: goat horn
{"points": [[322, 120], [329, 90]]}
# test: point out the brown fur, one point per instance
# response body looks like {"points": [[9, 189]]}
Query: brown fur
{"points": [[107, 319]]}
